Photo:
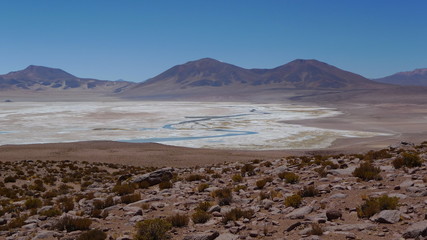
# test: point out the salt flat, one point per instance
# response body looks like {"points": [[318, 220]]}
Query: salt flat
{"points": [[189, 124]]}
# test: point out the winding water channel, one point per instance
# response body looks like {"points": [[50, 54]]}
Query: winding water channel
{"points": [[187, 124], [198, 120]]}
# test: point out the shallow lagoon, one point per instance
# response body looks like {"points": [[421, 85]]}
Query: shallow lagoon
{"points": [[189, 124]]}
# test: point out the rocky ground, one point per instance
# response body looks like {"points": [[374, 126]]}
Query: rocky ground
{"points": [[377, 195]]}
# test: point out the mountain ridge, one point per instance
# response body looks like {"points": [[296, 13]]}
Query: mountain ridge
{"points": [[41, 78], [417, 77], [209, 77]]}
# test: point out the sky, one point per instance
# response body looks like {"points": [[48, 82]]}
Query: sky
{"points": [[135, 40]]}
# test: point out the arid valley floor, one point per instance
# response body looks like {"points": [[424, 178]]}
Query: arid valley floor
{"points": [[60, 190]]}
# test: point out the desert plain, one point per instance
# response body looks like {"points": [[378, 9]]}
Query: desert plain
{"points": [[211, 175], [123, 131]]}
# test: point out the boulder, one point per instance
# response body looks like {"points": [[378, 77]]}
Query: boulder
{"points": [[350, 227], [300, 212], [333, 214], [416, 230], [136, 219], [406, 183], [338, 196], [346, 171], [398, 195], [387, 216], [293, 226], [46, 235], [30, 226], [155, 177], [208, 235], [266, 203], [227, 236], [125, 237], [215, 208]]}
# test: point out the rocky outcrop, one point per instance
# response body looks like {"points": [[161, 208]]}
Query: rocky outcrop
{"points": [[300, 212], [416, 230], [333, 214], [209, 235], [387, 216], [153, 178]]}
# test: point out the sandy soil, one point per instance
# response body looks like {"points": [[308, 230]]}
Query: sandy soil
{"points": [[138, 154], [404, 122]]}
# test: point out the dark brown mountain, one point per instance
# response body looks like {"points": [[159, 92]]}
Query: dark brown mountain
{"points": [[209, 77], [38, 78], [313, 74], [418, 77], [203, 72]]}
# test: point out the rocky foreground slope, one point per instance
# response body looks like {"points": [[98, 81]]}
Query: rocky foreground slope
{"points": [[377, 195]]}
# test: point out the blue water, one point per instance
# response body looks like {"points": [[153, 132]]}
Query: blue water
{"points": [[201, 119], [227, 133], [146, 129], [170, 139]]}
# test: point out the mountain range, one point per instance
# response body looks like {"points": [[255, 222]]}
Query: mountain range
{"points": [[418, 77], [209, 79], [39, 78]]}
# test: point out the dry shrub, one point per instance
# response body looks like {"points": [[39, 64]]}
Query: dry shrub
{"points": [[101, 204], [203, 206], [144, 184], [293, 201], [71, 223], [366, 171], [123, 189], [309, 191], [196, 177], [239, 187], [65, 204], [200, 216], [37, 186], [32, 203], [237, 178], [260, 184], [152, 229], [93, 234], [15, 223], [267, 164], [316, 229], [165, 185], [247, 170], [179, 220], [375, 155], [407, 159], [202, 187], [264, 195], [289, 177], [224, 196], [51, 212], [321, 171], [330, 164], [216, 175], [130, 198], [9, 179], [372, 206], [50, 194], [237, 213]]}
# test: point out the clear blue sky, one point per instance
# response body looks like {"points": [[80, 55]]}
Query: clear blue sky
{"points": [[135, 39]]}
